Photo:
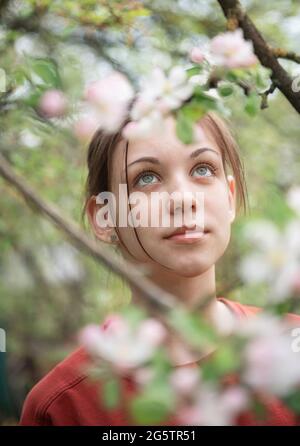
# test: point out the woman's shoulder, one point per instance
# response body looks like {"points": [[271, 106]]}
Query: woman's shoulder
{"points": [[64, 376], [67, 396]]}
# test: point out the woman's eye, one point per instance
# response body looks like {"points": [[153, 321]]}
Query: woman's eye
{"points": [[147, 179], [205, 170]]}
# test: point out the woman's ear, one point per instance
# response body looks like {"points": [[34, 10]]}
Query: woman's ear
{"points": [[104, 233], [232, 196]]}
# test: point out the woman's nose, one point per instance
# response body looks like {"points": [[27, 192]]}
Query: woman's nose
{"points": [[179, 201], [185, 200], [189, 205], [187, 209]]}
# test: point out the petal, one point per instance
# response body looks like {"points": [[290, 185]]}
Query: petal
{"points": [[177, 75], [184, 92]]}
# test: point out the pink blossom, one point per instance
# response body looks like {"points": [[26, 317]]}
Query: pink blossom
{"points": [[271, 365], [110, 99], [159, 95], [162, 91], [152, 331], [196, 55], [235, 399], [216, 407], [86, 126], [90, 338], [143, 105], [144, 127], [132, 130], [231, 50], [121, 345], [114, 325], [275, 260], [143, 376], [113, 86], [53, 103], [189, 416], [184, 380], [295, 286]]}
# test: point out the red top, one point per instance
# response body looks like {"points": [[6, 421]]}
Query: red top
{"points": [[66, 396]]}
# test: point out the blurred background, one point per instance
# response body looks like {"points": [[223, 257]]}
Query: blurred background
{"points": [[48, 289]]}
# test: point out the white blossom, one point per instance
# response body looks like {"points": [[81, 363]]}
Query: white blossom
{"points": [[116, 342], [275, 260]]}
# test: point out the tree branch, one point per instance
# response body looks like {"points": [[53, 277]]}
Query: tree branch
{"points": [[232, 10], [284, 54], [265, 94]]}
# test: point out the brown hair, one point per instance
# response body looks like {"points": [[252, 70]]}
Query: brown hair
{"points": [[102, 146]]}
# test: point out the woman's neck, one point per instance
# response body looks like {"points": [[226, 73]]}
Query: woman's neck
{"points": [[191, 291], [198, 294]]}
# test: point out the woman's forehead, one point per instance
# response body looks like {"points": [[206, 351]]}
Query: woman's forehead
{"points": [[167, 143]]}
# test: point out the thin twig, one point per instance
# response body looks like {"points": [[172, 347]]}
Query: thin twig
{"points": [[284, 54]]}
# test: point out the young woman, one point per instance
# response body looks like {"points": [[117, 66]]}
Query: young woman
{"points": [[182, 265]]}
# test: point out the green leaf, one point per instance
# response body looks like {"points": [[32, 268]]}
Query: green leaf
{"points": [[154, 405], [193, 71], [252, 105], [47, 72], [192, 328], [293, 401], [231, 76], [225, 90], [33, 99], [201, 97], [238, 74], [220, 365], [259, 409], [141, 12], [282, 308], [226, 360], [133, 315], [111, 393], [148, 410], [160, 362], [193, 111], [184, 128], [20, 76]]}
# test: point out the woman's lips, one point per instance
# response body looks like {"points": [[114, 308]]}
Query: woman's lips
{"points": [[188, 237]]}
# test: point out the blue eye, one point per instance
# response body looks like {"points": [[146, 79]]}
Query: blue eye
{"points": [[204, 168], [145, 175]]}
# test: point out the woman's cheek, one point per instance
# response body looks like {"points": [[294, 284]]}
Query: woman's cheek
{"points": [[224, 237]]}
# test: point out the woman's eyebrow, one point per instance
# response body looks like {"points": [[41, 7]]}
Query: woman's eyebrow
{"points": [[154, 160]]}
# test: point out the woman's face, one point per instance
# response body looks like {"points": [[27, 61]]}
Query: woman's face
{"points": [[176, 171]]}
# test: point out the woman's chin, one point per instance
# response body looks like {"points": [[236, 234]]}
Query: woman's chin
{"points": [[189, 270]]}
